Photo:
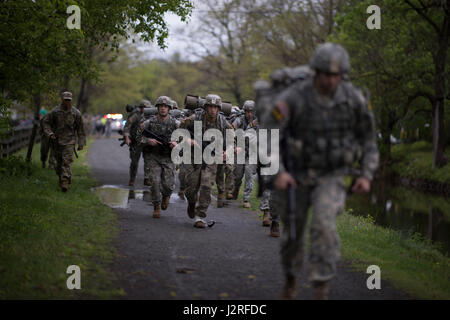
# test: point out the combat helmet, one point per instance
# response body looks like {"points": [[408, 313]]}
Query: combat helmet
{"points": [[174, 104], [331, 58], [164, 100], [249, 105], [145, 104], [213, 100]]}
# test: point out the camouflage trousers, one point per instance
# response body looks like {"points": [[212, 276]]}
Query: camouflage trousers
{"points": [[200, 179], [182, 176], [135, 155], [162, 175], [64, 159], [47, 148], [225, 184], [264, 204], [248, 171], [327, 199]]}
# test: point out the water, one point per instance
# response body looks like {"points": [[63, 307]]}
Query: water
{"points": [[120, 197], [406, 210]]}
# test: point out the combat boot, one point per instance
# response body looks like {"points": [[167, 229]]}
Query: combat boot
{"points": [[321, 290], [230, 196], [290, 288], [200, 224], [157, 211], [191, 210], [131, 183], [247, 204], [181, 194], [147, 182], [266, 218], [220, 200], [165, 202], [64, 186], [275, 229]]}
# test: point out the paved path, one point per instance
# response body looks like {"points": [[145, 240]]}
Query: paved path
{"points": [[168, 258]]}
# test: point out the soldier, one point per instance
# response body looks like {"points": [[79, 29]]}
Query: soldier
{"points": [[325, 126], [162, 173], [46, 147], [245, 122], [64, 125], [200, 177], [129, 134]]}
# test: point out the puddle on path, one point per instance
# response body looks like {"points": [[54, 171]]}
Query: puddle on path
{"points": [[120, 197]]}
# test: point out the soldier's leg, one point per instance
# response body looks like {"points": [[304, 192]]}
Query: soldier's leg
{"points": [[52, 160], [45, 146], [167, 180], [220, 178], [264, 206], [135, 154], [58, 155], [182, 177], [238, 174], [207, 178], [328, 199], [229, 180], [250, 176], [155, 177], [192, 178], [67, 159], [147, 168]]}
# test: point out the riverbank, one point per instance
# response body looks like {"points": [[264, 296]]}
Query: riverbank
{"points": [[410, 262], [412, 167], [43, 231]]}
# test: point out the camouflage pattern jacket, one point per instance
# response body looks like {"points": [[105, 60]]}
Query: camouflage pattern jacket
{"points": [[66, 125]]}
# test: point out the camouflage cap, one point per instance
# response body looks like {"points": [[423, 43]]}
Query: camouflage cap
{"points": [[331, 58], [213, 100], [66, 95], [249, 105], [164, 100]]}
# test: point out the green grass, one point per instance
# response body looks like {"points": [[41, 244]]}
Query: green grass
{"points": [[43, 231], [412, 264], [415, 161]]}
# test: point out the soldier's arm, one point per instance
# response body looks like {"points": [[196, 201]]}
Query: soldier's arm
{"points": [[127, 127], [140, 138], [366, 132], [80, 132], [46, 125]]}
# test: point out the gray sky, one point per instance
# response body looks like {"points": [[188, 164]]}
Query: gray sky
{"points": [[178, 38]]}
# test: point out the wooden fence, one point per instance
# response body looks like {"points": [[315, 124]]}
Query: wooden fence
{"points": [[17, 139]]}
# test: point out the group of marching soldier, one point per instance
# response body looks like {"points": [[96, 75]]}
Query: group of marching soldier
{"points": [[325, 128], [148, 132]]}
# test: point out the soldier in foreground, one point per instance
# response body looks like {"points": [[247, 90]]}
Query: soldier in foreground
{"points": [[325, 127], [200, 177], [64, 126], [162, 173], [129, 133]]}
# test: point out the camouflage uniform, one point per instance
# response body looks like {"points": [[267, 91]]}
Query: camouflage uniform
{"points": [[130, 130], [162, 173], [248, 171], [324, 136], [225, 178], [200, 177], [67, 126], [46, 148]]}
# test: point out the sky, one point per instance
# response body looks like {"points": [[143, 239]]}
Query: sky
{"points": [[178, 39]]}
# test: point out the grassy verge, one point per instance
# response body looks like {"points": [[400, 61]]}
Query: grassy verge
{"points": [[415, 161], [43, 231], [410, 263]]}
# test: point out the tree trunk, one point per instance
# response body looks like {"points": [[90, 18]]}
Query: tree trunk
{"points": [[440, 59], [81, 94], [37, 105]]}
